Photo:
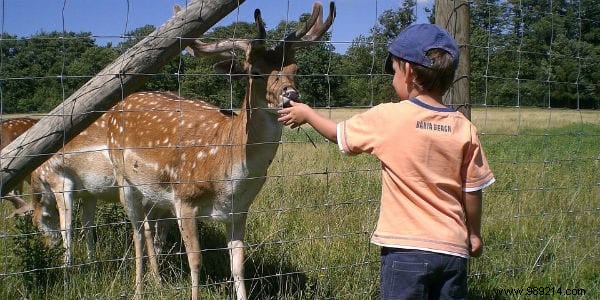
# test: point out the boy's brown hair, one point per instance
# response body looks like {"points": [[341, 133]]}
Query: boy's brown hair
{"points": [[436, 79]]}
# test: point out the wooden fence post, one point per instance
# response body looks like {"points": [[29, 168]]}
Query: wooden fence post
{"points": [[112, 84], [454, 16]]}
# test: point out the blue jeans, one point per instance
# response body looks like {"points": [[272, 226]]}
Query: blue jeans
{"points": [[416, 274]]}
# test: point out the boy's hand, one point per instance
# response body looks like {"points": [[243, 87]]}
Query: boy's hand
{"points": [[476, 245], [295, 115]]}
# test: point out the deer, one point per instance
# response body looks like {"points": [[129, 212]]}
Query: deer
{"points": [[11, 129], [199, 161], [81, 169]]}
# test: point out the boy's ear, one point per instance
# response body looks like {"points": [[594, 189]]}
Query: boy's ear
{"points": [[408, 73]]}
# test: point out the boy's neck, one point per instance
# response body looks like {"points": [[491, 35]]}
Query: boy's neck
{"points": [[432, 100]]}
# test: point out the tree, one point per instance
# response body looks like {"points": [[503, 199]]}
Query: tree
{"points": [[168, 78], [37, 68], [368, 84], [200, 79], [495, 46]]}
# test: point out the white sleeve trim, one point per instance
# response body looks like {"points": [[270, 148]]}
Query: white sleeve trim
{"points": [[339, 139], [477, 188]]}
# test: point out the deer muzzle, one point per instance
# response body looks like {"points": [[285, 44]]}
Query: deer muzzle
{"points": [[290, 95]]}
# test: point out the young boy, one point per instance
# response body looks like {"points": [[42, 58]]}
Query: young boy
{"points": [[433, 169]]}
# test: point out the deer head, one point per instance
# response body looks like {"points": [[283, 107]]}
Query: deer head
{"points": [[272, 69]]}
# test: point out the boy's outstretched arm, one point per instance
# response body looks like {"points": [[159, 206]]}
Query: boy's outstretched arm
{"points": [[473, 209], [300, 113]]}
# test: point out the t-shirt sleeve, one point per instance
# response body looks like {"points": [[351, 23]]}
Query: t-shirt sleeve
{"points": [[476, 170], [361, 133]]}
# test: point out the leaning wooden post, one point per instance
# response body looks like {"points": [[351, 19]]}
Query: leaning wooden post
{"points": [[454, 17], [103, 91]]}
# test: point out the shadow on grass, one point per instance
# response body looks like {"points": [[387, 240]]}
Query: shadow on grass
{"points": [[269, 272]]}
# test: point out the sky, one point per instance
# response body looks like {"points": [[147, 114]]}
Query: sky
{"points": [[109, 19]]}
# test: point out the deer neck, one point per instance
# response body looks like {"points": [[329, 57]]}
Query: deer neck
{"points": [[259, 122], [257, 129]]}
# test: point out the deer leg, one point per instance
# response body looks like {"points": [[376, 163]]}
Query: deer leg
{"points": [[88, 211], [186, 219], [64, 202], [161, 228], [235, 243], [134, 211], [152, 258]]}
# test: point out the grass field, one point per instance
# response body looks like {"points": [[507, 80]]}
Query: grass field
{"points": [[308, 231]]}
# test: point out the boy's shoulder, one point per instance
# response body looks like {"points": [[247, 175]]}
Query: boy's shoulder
{"points": [[414, 109], [387, 106], [394, 110], [385, 109]]}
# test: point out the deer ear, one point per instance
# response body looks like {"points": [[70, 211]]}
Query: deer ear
{"points": [[191, 51], [230, 66], [22, 208]]}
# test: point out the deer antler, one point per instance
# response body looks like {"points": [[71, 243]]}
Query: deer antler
{"points": [[300, 33], [225, 48], [319, 28], [222, 48], [313, 28]]}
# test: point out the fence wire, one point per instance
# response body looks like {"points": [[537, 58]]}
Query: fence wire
{"points": [[533, 100]]}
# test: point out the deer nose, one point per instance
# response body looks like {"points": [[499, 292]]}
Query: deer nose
{"points": [[290, 94]]}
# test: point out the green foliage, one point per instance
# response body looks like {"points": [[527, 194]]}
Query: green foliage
{"points": [[35, 70], [35, 259], [313, 81], [522, 53], [528, 53]]}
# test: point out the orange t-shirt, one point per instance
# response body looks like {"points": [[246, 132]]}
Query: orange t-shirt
{"points": [[430, 156]]}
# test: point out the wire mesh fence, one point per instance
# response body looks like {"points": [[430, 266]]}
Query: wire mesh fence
{"points": [[534, 99]]}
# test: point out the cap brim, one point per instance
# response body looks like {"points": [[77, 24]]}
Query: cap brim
{"points": [[389, 68]]}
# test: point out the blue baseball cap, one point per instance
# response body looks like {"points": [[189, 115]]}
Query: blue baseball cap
{"points": [[413, 43]]}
